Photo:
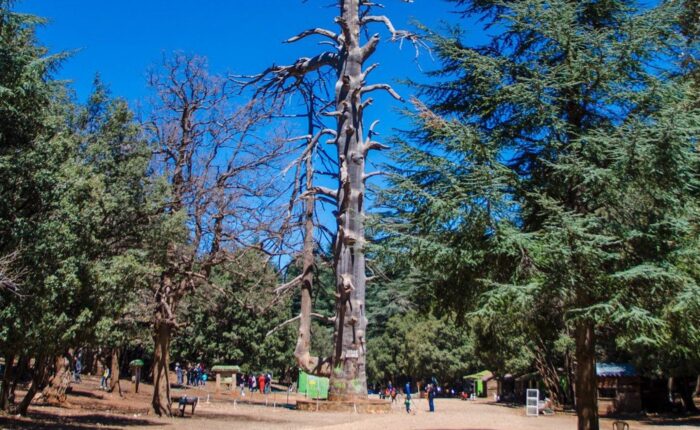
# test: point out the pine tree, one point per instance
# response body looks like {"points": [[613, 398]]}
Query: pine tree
{"points": [[570, 105]]}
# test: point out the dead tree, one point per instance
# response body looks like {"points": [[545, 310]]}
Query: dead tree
{"points": [[221, 176], [351, 51], [304, 194], [8, 275]]}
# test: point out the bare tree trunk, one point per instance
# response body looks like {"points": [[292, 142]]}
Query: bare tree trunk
{"points": [[550, 377], [568, 363], [38, 374], [91, 362], [586, 380], [696, 393], [6, 381], [161, 402], [224, 187], [348, 379], [671, 388], [114, 372], [686, 394], [55, 391], [21, 370], [302, 351]]}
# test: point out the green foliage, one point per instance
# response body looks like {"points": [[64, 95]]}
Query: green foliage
{"points": [[419, 347], [75, 180], [229, 324], [552, 180]]}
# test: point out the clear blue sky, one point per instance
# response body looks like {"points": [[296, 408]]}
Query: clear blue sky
{"points": [[121, 39]]}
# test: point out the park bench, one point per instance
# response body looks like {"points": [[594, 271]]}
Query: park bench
{"points": [[184, 401], [620, 425]]}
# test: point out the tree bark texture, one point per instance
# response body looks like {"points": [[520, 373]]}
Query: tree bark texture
{"points": [[161, 401], [586, 389], [38, 373], [55, 391], [6, 381], [164, 321], [550, 376], [23, 365], [348, 380], [114, 372], [686, 394]]}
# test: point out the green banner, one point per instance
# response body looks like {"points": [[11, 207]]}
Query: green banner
{"points": [[315, 387]]}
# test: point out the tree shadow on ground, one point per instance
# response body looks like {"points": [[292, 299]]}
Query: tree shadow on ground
{"points": [[508, 405], [49, 421], [673, 421], [86, 394], [243, 417]]}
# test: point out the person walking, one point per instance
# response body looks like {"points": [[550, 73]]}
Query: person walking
{"points": [[178, 372], [202, 374], [105, 378], [261, 383], [407, 401], [431, 397], [268, 381], [78, 369]]}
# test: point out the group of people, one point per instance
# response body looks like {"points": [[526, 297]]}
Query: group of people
{"points": [[430, 392], [192, 375], [77, 366], [260, 382], [389, 393]]}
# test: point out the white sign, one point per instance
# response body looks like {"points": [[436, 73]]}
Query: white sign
{"points": [[531, 403], [352, 353]]}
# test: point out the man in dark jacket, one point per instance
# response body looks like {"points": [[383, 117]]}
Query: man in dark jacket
{"points": [[407, 392], [431, 397]]}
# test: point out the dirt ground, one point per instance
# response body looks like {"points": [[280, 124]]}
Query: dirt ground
{"points": [[89, 408]]}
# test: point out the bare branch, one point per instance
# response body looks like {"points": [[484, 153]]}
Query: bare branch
{"points": [[372, 174], [291, 284], [372, 145], [385, 87], [371, 131], [324, 318], [8, 277], [369, 70], [324, 191], [314, 31], [276, 77]]}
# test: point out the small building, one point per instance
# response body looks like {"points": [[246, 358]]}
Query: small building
{"points": [[619, 389], [226, 374], [484, 383]]}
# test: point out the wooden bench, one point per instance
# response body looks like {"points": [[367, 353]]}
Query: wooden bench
{"points": [[184, 401], [620, 425]]}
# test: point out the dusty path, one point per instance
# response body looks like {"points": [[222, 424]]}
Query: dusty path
{"points": [[450, 414], [92, 409]]}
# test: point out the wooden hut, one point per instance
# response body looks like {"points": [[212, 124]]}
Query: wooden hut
{"points": [[619, 389], [226, 374], [484, 383]]}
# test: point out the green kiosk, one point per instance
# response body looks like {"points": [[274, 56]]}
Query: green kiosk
{"points": [[480, 380]]}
